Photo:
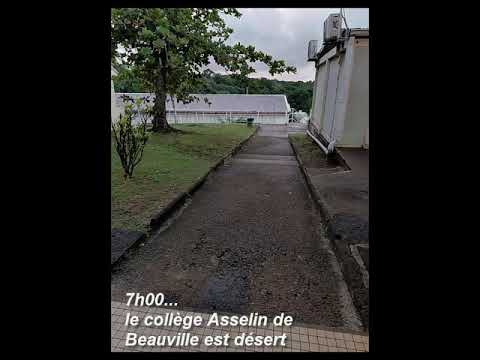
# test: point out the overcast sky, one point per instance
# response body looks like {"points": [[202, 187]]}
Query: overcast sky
{"points": [[284, 34]]}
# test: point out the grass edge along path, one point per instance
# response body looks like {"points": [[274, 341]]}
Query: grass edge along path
{"points": [[171, 164]]}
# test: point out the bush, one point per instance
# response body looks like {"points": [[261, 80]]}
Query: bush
{"points": [[131, 138]]}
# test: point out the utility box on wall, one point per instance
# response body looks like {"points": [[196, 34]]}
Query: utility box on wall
{"points": [[340, 106], [312, 50], [331, 27]]}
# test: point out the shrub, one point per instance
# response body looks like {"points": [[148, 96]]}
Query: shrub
{"points": [[130, 137]]}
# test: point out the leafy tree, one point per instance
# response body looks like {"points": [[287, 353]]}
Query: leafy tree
{"points": [[170, 46], [299, 93], [127, 81]]}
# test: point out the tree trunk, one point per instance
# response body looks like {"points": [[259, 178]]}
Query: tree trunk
{"points": [[159, 122]]}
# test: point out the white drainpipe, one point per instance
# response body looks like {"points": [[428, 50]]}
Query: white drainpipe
{"points": [[326, 150]]}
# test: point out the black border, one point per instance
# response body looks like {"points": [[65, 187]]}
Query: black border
{"points": [[56, 100], [265, 4]]}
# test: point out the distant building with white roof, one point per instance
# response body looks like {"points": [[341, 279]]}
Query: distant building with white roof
{"points": [[115, 110], [264, 109]]}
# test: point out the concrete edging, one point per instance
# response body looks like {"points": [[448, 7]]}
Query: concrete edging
{"points": [[158, 219], [327, 216], [131, 239], [322, 205]]}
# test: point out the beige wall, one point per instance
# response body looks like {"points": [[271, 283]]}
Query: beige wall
{"points": [[357, 115], [340, 109]]}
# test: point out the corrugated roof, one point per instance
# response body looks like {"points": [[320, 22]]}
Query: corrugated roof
{"points": [[227, 103]]}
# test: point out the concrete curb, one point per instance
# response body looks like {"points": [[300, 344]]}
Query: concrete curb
{"points": [[158, 219], [326, 213], [130, 239], [321, 204]]}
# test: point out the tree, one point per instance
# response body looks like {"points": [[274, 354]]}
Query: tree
{"points": [[299, 93], [130, 138], [126, 81], [170, 47]]}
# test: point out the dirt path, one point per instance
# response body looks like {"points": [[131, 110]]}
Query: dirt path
{"points": [[250, 241]]}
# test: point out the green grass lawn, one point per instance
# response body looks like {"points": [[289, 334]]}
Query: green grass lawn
{"points": [[171, 163]]}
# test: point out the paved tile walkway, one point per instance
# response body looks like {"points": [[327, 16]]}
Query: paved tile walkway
{"points": [[298, 338]]}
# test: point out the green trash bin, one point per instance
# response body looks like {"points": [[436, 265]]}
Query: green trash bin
{"points": [[250, 121]]}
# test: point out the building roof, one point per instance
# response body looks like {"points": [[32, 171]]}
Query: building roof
{"points": [[355, 32], [230, 103], [360, 32]]}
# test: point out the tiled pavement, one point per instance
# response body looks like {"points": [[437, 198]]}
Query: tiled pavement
{"points": [[299, 338]]}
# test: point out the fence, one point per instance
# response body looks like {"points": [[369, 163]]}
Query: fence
{"points": [[217, 117], [200, 117]]}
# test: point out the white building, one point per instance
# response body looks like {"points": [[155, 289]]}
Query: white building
{"points": [[224, 108], [115, 111], [340, 105]]}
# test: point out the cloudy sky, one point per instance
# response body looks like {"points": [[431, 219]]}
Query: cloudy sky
{"points": [[284, 34]]}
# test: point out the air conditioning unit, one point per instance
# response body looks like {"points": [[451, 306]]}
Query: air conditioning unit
{"points": [[331, 28], [312, 50]]}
